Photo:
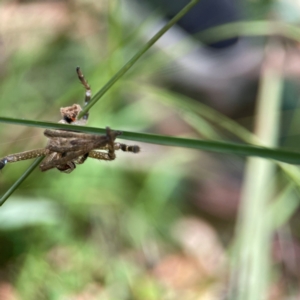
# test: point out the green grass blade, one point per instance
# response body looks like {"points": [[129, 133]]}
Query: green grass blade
{"points": [[20, 180], [134, 59], [287, 156]]}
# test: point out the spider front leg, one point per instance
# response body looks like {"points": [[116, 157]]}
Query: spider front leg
{"points": [[23, 156], [88, 91]]}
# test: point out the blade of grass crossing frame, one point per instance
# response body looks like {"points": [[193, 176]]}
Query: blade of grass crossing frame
{"points": [[291, 157], [287, 156]]}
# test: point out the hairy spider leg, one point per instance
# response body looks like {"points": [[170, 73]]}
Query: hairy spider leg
{"points": [[117, 146], [111, 135], [101, 155], [88, 91], [123, 147], [127, 148], [23, 156]]}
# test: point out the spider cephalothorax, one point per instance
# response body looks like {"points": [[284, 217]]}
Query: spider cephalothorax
{"points": [[70, 113], [65, 149]]}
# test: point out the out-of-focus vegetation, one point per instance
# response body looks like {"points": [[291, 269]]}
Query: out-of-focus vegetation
{"points": [[165, 223]]}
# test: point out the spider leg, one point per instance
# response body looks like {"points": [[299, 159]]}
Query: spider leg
{"points": [[71, 166], [22, 156], [54, 156], [117, 146], [110, 146], [80, 160], [101, 155], [123, 147], [111, 135], [127, 148], [88, 91], [61, 161]]}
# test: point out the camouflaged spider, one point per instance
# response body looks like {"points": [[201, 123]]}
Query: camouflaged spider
{"points": [[65, 149]]}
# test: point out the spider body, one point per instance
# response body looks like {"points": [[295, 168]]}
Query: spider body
{"points": [[65, 149]]}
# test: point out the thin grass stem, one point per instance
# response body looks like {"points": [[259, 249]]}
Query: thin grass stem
{"points": [[20, 180], [283, 155], [134, 59]]}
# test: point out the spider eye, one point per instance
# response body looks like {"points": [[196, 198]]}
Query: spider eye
{"points": [[68, 120]]}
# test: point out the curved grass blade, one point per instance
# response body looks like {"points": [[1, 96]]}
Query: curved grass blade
{"points": [[291, 157], [134, 59], [20, 180]]}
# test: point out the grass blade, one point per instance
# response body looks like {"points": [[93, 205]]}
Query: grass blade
{"points": [[253, 228], [286, 156], [134, 59], [20, 180]]}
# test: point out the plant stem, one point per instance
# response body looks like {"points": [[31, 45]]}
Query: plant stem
{"points": [[134, 59]]}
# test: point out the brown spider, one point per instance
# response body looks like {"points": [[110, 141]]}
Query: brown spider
{"points": [[65, 149]]}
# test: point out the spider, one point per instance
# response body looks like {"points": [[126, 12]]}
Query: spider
{"points": [[65, 149]]}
